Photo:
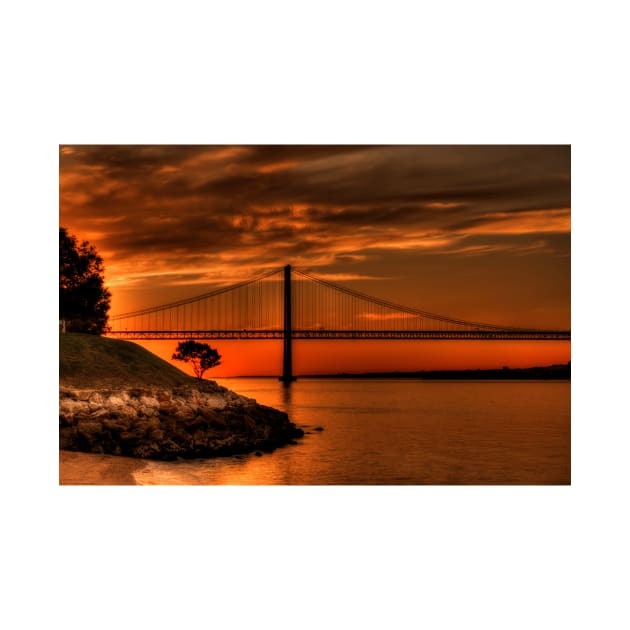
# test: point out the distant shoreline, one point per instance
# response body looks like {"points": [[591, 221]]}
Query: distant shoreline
{"points": [[551, 372]]}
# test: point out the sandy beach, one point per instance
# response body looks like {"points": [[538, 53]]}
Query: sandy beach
{"points": [[83, 469]]}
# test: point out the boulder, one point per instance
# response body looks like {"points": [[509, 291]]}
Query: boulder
{"points": [[158, 423]]}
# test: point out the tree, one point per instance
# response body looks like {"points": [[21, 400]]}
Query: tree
{"points": [[200, 355], [83, 299]]}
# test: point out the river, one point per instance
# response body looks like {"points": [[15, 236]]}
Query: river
{"points": [[368, 431]]}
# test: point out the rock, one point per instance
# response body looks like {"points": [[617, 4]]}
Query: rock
{"points": [[149, 401], [127, 411], [67, 437], [117, 400], [167, 407], [163, 396], [66, 392], [95, 399], [115, 425], [66, 419], [89, 428], [147, 411], [184, 422], [99, 412], [73, 406], [215, 402]]}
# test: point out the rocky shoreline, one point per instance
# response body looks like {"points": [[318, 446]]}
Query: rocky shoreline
{"points": [[200, 420]]}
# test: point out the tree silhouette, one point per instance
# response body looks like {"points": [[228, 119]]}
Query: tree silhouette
{"points": [[83, 299], [200, 355]]}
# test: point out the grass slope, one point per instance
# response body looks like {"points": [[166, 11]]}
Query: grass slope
{"points": [[89, 361]]}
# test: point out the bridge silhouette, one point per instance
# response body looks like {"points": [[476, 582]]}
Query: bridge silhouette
{"points": [[287, 303]]}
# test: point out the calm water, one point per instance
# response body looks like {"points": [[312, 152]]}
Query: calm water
{"points": [[400, 432]]}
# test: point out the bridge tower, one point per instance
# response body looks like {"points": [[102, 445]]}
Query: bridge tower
{"points": [[287, 361]]}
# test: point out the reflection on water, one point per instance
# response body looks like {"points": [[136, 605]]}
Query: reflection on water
{"points": [[287, 395], [399, 432]]}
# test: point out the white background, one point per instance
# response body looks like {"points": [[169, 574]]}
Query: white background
{"points": [[314, 557]]}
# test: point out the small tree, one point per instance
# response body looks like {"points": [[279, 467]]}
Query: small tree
{"points": [[200, 355]]}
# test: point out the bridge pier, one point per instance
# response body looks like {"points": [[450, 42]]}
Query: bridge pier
{"points": [[287, 358]]}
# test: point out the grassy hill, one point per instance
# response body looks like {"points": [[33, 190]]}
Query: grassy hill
{"points": [[87, 361]]}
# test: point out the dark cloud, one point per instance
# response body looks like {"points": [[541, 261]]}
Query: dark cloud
{"points": [[203, 209], [332, 176]]}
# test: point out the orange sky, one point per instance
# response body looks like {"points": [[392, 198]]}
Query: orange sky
{"points": [[264, 358], [473, 232]]}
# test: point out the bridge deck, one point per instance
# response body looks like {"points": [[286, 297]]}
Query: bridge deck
{"points": [[531, 335]]}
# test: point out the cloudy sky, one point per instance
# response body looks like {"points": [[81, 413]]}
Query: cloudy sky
{"points": [[472, 232]]}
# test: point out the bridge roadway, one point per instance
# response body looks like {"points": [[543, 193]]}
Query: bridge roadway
{"points": [[504, 335]]}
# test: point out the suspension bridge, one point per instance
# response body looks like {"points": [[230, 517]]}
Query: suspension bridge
{"points": [[288, 304]]}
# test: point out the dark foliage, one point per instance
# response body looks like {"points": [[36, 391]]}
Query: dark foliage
{"points": [[200, 355], [83, 299]]}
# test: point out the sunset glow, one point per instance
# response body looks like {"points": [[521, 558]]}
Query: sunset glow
{"points": [[481, 233]]}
